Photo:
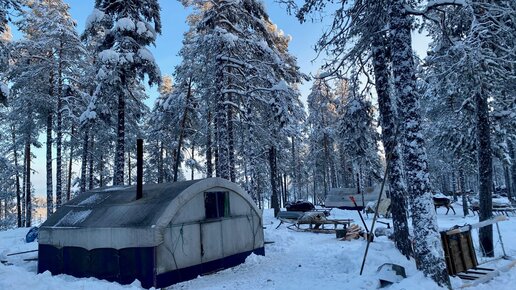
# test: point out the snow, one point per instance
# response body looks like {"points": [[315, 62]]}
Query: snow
{"points": [[281, 86], [125, 24], [89, 113], [95, 17], [145, 54], [296, 260], [91, 200], [4, 90], [109, 56], [73, 218], [145, 29]]}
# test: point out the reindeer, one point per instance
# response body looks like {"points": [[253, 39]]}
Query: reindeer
{"points": [[443, 201]]}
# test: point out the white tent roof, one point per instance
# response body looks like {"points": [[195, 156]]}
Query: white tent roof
{"points": [[113, 218]]}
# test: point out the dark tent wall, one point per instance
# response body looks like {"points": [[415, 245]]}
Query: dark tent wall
{"points": [[174, 233], [123, 266]]}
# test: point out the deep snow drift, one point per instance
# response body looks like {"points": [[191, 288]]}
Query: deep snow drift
{"points": [[296, 260]]}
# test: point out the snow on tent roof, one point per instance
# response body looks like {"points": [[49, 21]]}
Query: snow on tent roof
{"points": [[118, 207], [113, 218]]}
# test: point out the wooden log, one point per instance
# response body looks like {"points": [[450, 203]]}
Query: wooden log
{"points": [[477, 225]]}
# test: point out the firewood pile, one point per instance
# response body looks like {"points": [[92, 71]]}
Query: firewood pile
{"points": [[353, 232]]}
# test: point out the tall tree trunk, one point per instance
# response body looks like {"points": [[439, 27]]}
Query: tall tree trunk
{"points": [[59, 129], [182, 130], [294, 172], [454, 180], [231, 141], [485, 171], [279, 178], [274, 184], [70, 161], [428, 251], [129, 168], [160, 162], [508, 183], [24, 187], [84, 159], [118, 179], [17, 172], [512, 152], [221, 157], [193, 157], [388, 117], [101, 171], [209, 148], [463, 191], [50, 187], [28, 188], [325, 165], [285, 190], [90, 162]]}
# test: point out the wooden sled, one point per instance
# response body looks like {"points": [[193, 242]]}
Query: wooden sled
{"points": [[315, 222], [461, 259]]}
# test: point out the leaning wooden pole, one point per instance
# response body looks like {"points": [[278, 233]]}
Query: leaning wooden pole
{"points": [[376, 212]]}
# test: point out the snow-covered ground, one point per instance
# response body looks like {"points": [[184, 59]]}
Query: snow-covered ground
{"points": [[296, 260]]}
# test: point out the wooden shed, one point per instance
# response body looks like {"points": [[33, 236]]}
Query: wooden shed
{"points": [[175, 232]]}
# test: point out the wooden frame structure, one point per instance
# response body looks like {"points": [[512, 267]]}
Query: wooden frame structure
{"points": [[460, 255]]}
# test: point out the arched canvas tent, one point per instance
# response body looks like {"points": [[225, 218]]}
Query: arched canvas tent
{"points": [[174, 233]]}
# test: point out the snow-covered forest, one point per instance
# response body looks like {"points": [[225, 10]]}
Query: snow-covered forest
{"points": [[445, 123]]}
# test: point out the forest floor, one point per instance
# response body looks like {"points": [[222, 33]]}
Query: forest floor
{"points": [[296, 260]]}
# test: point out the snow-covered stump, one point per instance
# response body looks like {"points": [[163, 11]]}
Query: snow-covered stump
{"points": [[428, 251]]}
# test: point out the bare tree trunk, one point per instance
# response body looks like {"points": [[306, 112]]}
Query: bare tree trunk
{"points": [[428, 251], [18, 190], [182, 130], [101, 171], [84, 159], [193, 156], [118, 179], [508, 184], [221, 157], [388, 117], [273, 168], [209, 153], [463, 191], [24, 187], [50, 187], [512, 152], [59, 129], [485, 171], [294, 172], [129, 169], [325, 165], [285, 189], [279, 178], [231, 142], [70, 161], [28, 189], [160, 162], [91, 177]]}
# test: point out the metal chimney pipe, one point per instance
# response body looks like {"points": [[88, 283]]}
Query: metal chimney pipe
{"points": [[139, 169]]}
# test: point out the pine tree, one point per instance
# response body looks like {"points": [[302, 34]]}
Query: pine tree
{"points": [[427, 249], [322, 109], [357, 133], [483, 69], [247, 83], [125, 60]]}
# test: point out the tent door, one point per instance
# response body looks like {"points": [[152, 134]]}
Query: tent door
{"points": [[211, 242]]}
